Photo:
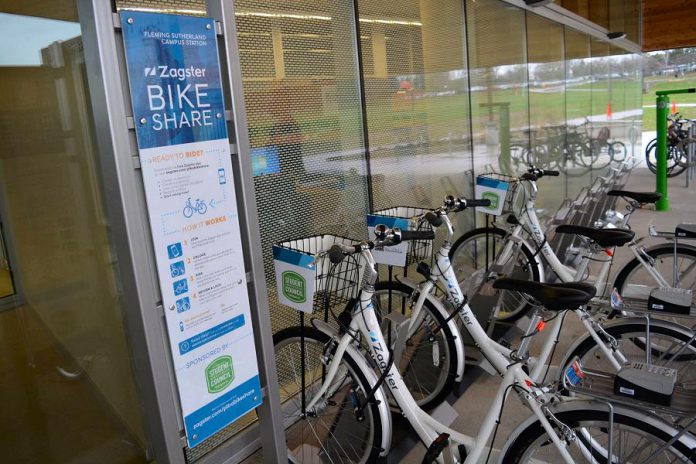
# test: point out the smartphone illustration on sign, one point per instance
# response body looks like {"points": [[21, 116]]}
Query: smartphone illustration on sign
{"points": [[221, 176]]}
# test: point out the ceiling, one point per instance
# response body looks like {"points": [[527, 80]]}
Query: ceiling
{"points": [[668, 24]]}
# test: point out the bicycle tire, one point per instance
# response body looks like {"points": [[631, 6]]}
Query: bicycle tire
{"points": [[572, 162], [429, 380], [595, 417], [630, 335], [523, 306], [673, 168], [659, 253], [311, 442], [618, 151]]}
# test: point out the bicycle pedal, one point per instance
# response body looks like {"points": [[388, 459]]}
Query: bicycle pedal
{"points": [[462, 453], [436, 448]]}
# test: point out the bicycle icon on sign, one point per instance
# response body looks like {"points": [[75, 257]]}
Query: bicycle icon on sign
{"points": [[183, 305], [180, 286], [199, 207]]}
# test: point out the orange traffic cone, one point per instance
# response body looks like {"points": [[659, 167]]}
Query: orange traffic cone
{"points": [[609, 110], [674, 107]]}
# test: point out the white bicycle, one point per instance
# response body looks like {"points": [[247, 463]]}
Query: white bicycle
{"points": [[334, 386], [432, 360]]}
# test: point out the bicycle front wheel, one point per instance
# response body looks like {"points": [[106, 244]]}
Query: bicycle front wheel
{"points": [[333, 431], [633, 439], [477, 250], [429, 361]]}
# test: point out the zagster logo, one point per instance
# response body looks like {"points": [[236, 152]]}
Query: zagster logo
{"points": [[373, 337], [180, 74]]}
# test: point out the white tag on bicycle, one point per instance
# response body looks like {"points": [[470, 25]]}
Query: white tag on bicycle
{"points": [[295, 278], [616, 300], [392, 255], [494, 190]]}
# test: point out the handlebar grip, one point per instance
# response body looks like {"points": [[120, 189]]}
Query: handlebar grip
{"points": [[433, 219], [551, 173], [336, 254], [478, 203], [407, 235], [529, 176]]}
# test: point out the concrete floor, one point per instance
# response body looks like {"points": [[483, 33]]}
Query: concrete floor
{"points": [[469, 408]]}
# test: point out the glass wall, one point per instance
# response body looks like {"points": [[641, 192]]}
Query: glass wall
{"points": [[417, 102], [68, 390], [547, 106], [499, 86], [302, 94]]}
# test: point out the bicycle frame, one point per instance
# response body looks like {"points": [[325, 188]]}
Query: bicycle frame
{"points": [[365, 322], [444, 272], [529, 219]]}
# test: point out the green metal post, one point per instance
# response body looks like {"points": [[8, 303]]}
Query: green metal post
{"points": [[661, 176], [662, 113], [504, 114]]}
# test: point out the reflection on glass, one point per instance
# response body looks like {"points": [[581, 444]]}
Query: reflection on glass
{"points": [[68, 390], [303, 107], [547, 93], [417, 99], [499, 88]]}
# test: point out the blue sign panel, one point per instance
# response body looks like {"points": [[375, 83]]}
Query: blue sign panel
{"points": [[176, 92]]}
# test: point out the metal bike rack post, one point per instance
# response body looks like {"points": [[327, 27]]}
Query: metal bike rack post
{"points": [[662, 109]]}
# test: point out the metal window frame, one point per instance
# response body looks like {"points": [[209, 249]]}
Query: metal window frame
{"points": [[125, 202]]}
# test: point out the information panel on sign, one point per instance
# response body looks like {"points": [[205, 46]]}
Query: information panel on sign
{"points": [[176, 91]]}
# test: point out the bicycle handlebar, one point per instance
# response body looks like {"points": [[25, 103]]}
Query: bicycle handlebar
{"points": [[535, 174], [384, 237], [433, 219], [406, 235], [460, 204]]}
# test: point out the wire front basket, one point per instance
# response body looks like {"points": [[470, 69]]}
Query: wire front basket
{"points": [[336, 284], [418, 250], [500, 184]]}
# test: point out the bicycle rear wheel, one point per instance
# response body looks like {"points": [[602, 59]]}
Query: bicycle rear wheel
{"points": [[634, 280], [633, 440], [673, 156], [333, 431], [668, 347]]}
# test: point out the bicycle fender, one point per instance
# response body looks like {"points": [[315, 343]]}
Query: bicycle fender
{"points": [[575, 404], [452, 324], [371, 376], [627, 321], [537, 262]]}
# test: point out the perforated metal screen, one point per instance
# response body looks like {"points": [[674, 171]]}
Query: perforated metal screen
{"points": [[417, 102]]}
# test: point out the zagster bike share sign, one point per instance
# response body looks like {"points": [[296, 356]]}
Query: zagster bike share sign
{"points": [[176, 91]]}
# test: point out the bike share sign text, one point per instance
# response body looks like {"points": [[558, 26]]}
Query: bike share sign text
{"points": [[176, 91]]}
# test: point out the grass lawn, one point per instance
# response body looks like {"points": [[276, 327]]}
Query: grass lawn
{"points": [[656, 83]]}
